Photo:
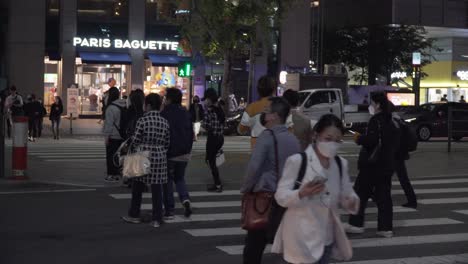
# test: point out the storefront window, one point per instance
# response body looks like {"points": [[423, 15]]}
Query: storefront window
{"points": [[50, 82], [453, 94], [159, 78], [92, 84]]}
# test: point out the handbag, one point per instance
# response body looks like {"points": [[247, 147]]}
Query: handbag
{"points": [[134, 163], [257, 206], [220, 158], [375, 154]]}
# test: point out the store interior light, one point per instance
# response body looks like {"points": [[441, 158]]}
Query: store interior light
{"points": [[78, 61]]}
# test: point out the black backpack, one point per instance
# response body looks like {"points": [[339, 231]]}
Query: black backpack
{"points": [[123, 128], [408, 138]]}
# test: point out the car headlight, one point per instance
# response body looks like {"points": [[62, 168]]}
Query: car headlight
{"points": [[410, 119]]}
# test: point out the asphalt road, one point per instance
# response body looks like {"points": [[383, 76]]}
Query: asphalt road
{"points": [[66, 213]]}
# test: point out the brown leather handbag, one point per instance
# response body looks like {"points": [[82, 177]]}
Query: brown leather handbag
{"points": [[257, 206]]}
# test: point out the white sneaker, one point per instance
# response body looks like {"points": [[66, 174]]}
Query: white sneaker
{"points": [[130, 219], [387, 234], [353, 229], [155, 224]]}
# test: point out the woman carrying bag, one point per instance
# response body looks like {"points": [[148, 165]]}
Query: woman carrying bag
{"points": [[151, 134], [311, 230]]}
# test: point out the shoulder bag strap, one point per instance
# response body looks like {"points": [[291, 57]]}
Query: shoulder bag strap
{"points": [[340, 166], [302, 171], [275, 142]]}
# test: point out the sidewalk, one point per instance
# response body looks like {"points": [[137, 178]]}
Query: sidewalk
{"points": [[80, 127]]}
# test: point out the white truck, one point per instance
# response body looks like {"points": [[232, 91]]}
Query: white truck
{"points": [[315, 103]]}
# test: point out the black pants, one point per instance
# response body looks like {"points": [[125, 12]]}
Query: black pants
{"points": [[40, 123], [111, 149], [255, 243], [33, 126], [374, 182], [213, 145], [405, 183], [156, 196]]}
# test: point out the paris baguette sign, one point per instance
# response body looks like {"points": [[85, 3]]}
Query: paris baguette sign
{"points": [[125, 44]]}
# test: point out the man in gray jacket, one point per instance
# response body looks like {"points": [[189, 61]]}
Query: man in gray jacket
{"points": [[111, 132], [262, 172]]}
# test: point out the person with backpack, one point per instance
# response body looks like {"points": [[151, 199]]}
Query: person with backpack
{"points": [[408, 143], [114, 131], [273, 146], [313, 186], [376, 165], [179, 153], [34, 111]]}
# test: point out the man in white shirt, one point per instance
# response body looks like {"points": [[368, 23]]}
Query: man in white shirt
{"points": [[13, 107]]}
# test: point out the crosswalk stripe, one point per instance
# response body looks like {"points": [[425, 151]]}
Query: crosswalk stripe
{"points": [[444, 259], [428, 182], [204, 232], [444, 200], [461, 211], [370, 210], [377, 242], [76, 159], [120, 196]]}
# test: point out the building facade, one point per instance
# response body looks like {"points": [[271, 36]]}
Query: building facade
{"points": [[445, 20], [59, 46]]}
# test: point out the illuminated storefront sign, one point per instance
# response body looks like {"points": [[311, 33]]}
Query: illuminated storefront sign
{"points": [[399, 75], [463, 75], [125, 44]]}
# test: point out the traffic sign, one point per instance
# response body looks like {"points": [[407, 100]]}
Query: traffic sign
{"points": [[184, 69]]}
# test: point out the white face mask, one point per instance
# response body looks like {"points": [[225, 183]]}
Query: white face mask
{"points": [[371, 110], [328, 149]]}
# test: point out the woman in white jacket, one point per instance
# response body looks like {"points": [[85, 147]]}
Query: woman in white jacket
{"points": [[311, 230]]}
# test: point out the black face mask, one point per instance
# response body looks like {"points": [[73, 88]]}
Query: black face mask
{"points": [[262, 119]]}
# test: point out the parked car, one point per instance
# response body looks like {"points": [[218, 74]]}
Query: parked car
{"points": [[431, 120]]}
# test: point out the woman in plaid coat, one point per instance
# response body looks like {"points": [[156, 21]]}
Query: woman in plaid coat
{"points": [[151, 133]]}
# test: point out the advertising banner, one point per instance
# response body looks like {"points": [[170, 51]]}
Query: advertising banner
{"points": [[72, 101]]}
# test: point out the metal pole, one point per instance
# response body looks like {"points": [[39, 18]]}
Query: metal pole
{"points": [[2, 144], [449, 126], [71, 124]]}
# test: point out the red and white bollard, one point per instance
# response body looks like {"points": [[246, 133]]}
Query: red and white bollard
{"points": [[20, 148]]}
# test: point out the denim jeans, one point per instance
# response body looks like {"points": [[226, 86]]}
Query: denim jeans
{"points": [[176, 174]]}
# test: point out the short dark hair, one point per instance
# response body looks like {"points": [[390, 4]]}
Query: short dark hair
{"points": [[381, 98], [174, 95], [114, 94], [153, 100], [13, 88], [281, 107], [329, 120], [266, 86], [292, 97]]}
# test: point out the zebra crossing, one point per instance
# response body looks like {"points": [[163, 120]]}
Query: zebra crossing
{"points": [[94, 151], [440, 222]]}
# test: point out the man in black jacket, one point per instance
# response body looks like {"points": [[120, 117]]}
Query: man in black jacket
{"points": [[197, 113], [178, 155]]}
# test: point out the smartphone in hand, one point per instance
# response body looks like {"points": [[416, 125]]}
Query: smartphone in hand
{"points": [[318, 180]]}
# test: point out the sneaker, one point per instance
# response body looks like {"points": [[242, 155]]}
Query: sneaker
{"points": [[353, 229], [130, 219], [156, 224], [386, 234], [187, 209], [169, 217], [410, 205], [215, 188], [111, 178]]}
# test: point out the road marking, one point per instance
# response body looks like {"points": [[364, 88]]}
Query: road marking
{"points": [[77, 159], [377, 242], [229, 231], [192, 194], [77, 156], [461, 211], [370, 210], [120, 196], [444, 200], [49, 191], [445, 259], [427, 182]]}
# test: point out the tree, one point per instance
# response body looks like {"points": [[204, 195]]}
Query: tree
{"points": [[380, 50], [226, 28]]}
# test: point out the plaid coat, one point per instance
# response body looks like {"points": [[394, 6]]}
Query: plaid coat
{"points": [[152, 133]]}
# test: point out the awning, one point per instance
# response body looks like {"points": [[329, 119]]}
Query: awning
{"points": [[166, 60], [101, 57]]}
